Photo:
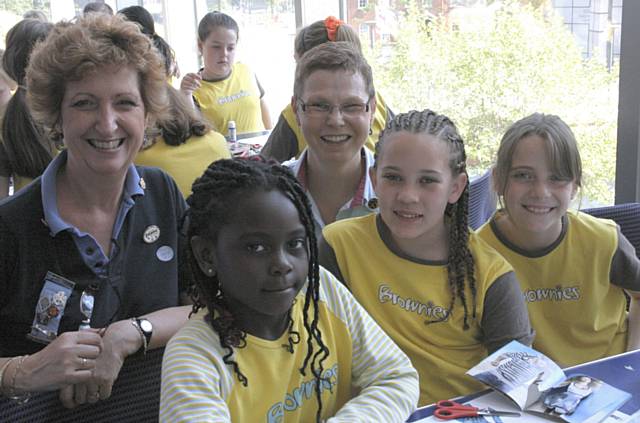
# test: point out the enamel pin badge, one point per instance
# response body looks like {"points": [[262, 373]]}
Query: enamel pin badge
{"points": [[151, 234]]}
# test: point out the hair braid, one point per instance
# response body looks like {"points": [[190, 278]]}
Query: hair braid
{"points": [[222, 182], [207, 293], [460, 263], [299, 198]]}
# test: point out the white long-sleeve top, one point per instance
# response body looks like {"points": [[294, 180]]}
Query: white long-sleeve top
{"points": [[368, 378]]}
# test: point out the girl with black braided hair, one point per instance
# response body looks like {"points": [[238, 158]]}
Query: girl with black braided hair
{"points": [[443, 295], [273, 337]]}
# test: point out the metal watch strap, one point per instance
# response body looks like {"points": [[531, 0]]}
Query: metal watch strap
{"points": [[145, 342]]}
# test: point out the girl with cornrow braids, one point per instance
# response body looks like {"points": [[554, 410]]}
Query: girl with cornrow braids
{"points": [[444, 296], [273, 336]]}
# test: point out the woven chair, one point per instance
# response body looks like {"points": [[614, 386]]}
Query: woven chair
{"points": [[135, 398], [627, 216], [482, 200]]}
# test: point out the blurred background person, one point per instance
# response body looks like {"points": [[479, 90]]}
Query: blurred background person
{"points": [[143, 18], [25, 150], [35, 14], [7, 87], [186, 145], [97, 7], [225, 90]]}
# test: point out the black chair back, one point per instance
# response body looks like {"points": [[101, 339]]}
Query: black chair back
{"points": [[135, 398], [482, 200], [627, 216]]}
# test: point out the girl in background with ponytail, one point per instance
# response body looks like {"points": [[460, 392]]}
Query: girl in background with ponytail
{"points": [[7, 87], [25, 150], [143, 18]]}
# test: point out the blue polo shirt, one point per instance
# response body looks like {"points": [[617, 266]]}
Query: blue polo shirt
{"points": [[88, 247]]}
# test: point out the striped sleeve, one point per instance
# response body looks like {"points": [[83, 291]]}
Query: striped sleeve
{"points": [[387, 382], [195, 382]]}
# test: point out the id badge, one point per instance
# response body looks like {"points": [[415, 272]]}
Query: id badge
{"points": [[50, 308]]}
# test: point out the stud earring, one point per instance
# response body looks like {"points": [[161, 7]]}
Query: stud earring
{"points": [[56, 136], [370, 131], [211, 272]]}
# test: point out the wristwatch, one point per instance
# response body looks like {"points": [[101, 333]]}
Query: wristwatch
{"points": [[145, 328]]}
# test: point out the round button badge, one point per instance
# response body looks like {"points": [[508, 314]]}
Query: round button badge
{"points": [[164, 253]]}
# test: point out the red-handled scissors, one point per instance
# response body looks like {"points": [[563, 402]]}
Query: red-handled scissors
{"points": [[451, 410]]}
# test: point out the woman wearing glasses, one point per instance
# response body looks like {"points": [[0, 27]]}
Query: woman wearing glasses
{"points": [[286, 140], [88, 251], [334, 100]]}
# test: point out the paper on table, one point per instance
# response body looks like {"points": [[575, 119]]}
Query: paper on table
{"points": [[497, 401]]}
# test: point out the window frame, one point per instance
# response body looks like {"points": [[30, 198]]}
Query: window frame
{"points": [[627, 186]]}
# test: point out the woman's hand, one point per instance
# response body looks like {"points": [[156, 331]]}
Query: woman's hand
{"points": [[190, 82], [120, 340], [68, 359]]}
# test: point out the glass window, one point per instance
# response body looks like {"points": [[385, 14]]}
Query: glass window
{"points": [[571, 3], [486, 66], [483, 63], [156, 8]]}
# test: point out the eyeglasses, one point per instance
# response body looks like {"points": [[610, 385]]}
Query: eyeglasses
{"points": [[325, 109]]}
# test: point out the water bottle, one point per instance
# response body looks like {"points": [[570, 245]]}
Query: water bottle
{"points": [[231, 134]]}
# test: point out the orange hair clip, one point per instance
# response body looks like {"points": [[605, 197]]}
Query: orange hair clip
{"points": [[332, 23]]}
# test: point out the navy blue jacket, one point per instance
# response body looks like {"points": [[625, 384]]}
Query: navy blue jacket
{"points": [[137, 281]]}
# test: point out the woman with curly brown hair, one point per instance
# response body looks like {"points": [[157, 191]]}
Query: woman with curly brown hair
{"points": [[88, 251]]}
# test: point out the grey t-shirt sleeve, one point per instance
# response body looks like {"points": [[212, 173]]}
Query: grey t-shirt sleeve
{"points": [[282, 143], [625, 266], [505, 317], [328, 260], [259, 87], [390, 115]]}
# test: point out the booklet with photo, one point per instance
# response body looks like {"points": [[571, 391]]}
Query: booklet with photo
{"points": [[496, 401], [538, 385]]}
